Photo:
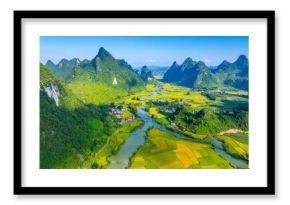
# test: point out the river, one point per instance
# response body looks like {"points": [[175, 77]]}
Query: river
{"points": [[137, 139]]}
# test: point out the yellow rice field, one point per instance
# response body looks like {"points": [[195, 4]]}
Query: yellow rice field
{"points": [[164, 151]]}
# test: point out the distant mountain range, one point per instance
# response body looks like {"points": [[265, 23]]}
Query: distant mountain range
{"points": [[198, 75], [146, 74], [106, 70], [156, 70]]}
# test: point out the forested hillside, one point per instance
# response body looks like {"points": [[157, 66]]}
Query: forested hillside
{"points": [[198, 75]]}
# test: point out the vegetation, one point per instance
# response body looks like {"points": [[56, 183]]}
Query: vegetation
{"points": [[199, 76], [89, 108], [154, 112], [71, 131], [65, 69], [91, 93], [89, 80], [146, 74], [100, 159], [209, 121], [48, 79], [69, 137], [164, 151], [236, 145]]}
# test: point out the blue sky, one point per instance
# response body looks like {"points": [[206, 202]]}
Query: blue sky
{"points": [[146, 50]]}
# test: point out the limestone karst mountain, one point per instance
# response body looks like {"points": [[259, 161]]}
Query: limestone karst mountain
{"points": [[199, 76]]}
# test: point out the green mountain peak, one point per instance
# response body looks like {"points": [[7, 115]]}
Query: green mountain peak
{"points": [[198, 75], [201, 63], [103, 53], [50, 64], [242, 58], [146, 73], [242, 61], [188, 61], [175, 64]]}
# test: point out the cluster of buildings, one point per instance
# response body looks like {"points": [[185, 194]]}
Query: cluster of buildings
{"points": [[118, 113], [169, 110], [183, 128]]}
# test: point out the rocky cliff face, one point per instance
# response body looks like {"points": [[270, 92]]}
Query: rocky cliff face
{"points": [[50, 84], [53, 92]]}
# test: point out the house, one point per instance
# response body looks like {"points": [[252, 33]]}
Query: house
{"points": [[117, 112], [184, 128], [130, 118]]}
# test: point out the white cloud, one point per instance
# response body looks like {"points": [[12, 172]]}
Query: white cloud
{"points": [[207, 60], [151, 61]]}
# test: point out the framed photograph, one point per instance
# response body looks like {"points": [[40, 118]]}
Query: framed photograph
{"points": [[144, 102]]}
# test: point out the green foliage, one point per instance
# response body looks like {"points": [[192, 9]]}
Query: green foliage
{"points": [[93, 83], [146, 73], [191, 74], [234, 146], [204, 79], [239, 83], [234, 74], [71, 133], [89, 80], [100, 160], [47, 77], [173, 74], [80, 132], [209, 121], [93, 93], [133, 109], [67, 134], [187, 133], [240, 137], [198, 76], [162, 121], [105, 68], [65, 69]]}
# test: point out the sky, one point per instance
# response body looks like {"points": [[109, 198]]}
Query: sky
{"points": [[146, 50]]}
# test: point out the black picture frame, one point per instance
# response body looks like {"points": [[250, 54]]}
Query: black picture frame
{"points": [[268, 190]]}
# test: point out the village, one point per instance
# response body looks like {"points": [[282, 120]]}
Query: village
{"points": [[119, 112]]}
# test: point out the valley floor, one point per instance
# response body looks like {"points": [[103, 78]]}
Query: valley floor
{"points": [[168, 126]]}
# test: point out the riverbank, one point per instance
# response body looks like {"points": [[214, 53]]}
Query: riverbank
{"points": [[137, 141], [165, 151], [100, 160]]}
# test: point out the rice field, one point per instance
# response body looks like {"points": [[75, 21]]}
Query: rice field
{"points": [[194, 97], [236, 145], [154, 112], [164, 151]]}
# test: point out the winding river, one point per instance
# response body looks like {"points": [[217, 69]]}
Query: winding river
{"points": [[137, 139]]}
